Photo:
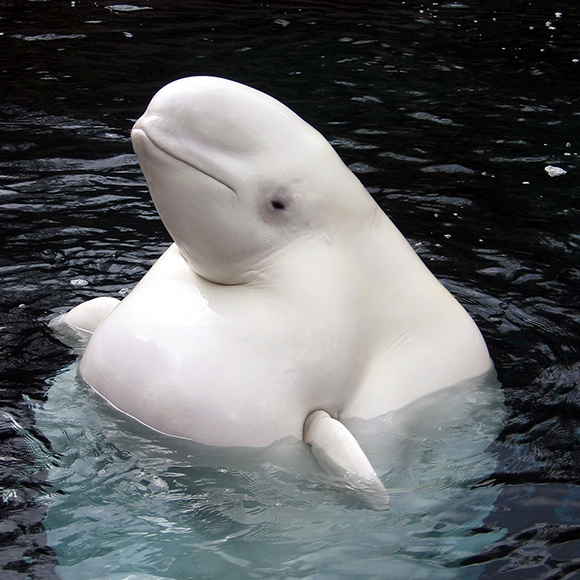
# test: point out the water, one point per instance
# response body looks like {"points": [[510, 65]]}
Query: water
{"points": [[448, 112], [141, 503]]}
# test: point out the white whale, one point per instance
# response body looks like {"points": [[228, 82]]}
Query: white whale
{"points": [[288, 302]]}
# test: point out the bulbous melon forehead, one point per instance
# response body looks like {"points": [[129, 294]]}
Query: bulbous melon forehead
{"points": [[227, 116]]}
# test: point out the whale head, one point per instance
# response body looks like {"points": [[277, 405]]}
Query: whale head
{"points": [[236, 176]]}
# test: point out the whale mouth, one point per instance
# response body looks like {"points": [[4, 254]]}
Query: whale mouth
{"points": [[139, 130]]}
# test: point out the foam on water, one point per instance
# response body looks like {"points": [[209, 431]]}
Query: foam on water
{"points": [[128, 503]]}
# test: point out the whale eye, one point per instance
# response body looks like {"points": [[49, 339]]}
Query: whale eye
{"points": [[276, 206]]}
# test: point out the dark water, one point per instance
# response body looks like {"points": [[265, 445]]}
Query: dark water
{"points": [[448, 112]]}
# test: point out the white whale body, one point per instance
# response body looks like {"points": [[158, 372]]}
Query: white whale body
{"points": [[288, 302]]}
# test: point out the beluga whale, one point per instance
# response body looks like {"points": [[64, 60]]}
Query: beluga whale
{"points": [[288, 302]]}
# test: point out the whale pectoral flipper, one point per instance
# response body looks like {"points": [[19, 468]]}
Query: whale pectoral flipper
{"points": [[339, 454], [79, 324]]}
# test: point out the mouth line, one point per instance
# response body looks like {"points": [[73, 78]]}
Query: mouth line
{"points": [[182, 160]]}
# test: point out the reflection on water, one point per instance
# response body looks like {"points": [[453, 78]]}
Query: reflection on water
{"points": [[449, 112], [138, 502]]}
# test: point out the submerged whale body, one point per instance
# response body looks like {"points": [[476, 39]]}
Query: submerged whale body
{"points": [[289, 301]]}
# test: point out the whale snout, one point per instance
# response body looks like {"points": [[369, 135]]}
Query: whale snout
{"points": [[210, 113], [160, 149]]}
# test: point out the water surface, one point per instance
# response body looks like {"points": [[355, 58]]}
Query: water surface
{"points": [[136, 502], [448, 112]]}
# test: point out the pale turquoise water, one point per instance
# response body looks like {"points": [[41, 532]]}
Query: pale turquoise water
{"points": [[126, 500]]}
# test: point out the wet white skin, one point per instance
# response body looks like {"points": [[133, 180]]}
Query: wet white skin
{"points": [[287, 290]]}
